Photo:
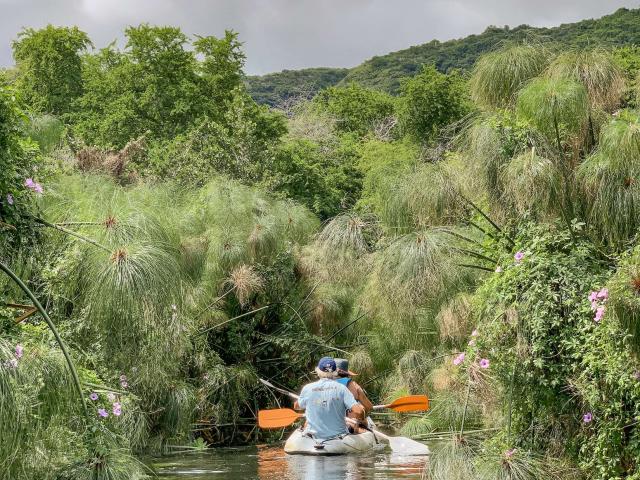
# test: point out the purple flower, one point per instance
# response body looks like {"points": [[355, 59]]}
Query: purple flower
{"points": [[509, 453], [93, 396], [9, 199], [117, 409], [593, 296], [35, 186], [103, 413], [587, 417], [459, 359], [498, 269], [518, 256], [484, 363], [19, 351], [599, 314], [603, 294]]}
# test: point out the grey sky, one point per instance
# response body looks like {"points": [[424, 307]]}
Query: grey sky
{"points": [[292, 34]]}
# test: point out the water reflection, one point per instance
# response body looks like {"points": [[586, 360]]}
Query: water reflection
{"points": [[271, 463]]}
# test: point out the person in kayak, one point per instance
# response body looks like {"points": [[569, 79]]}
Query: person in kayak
{"points": [[325, 402], [344, 377]]}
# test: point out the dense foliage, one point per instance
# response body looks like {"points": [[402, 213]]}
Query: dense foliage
{"points": [[479, 242]]}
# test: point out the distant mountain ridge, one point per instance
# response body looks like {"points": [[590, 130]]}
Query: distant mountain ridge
{"points": [[385, 72]]}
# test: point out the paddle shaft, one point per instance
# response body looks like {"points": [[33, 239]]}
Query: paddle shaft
{"points": [[295, 397]]}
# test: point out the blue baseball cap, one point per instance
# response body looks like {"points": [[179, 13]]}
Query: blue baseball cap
{"points": [[327, 364]]}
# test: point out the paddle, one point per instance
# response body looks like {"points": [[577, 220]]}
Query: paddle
{"points": [[277, 418], [410, 403]]}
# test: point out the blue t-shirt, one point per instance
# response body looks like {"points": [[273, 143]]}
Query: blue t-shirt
{"points": [[325, 403]]}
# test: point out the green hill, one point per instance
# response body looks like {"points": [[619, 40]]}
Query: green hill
{"points": [[273, 88], [385, 72]]}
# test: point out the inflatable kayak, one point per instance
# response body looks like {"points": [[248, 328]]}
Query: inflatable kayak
{"points": [[300, 443]]}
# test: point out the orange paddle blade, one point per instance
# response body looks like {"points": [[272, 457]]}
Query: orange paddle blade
{"points": [[410, 403], [277, 418]]}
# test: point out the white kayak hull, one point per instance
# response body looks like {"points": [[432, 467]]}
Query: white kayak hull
{"points": [[300, 444]]}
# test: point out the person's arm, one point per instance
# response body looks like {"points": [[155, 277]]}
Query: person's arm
{"points": [[350, 403], [301, 402], [361, 397]]}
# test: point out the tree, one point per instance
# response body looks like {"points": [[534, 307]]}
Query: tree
{"points": [[221, 67], [50, 66], [157, 86], [430, 101], [357, 109], [323, 179]]}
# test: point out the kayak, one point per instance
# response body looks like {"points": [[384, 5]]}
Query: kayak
{"points": [[300, 443]]}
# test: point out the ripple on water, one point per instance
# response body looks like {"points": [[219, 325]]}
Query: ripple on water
{"points": [[271, 463]]}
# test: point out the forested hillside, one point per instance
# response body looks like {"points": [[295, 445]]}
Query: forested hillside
{"points": [[386, 71]]}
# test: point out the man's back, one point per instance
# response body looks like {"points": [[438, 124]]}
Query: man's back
{"points": [[325, 403]]}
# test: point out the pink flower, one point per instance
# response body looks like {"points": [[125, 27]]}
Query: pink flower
{"points": [[509, 453], [518, 256], [117, 409], [103, 413], [593, 296], [111, 397], [474, 333], [19, 351], [9, 199], [472, 343], [484, 363], [594, 305], [603, 294], [587, 417], [123, 378], [459, 359], [124, 384], [498, 269], [599, 314], [38, 188], [93, 396]]}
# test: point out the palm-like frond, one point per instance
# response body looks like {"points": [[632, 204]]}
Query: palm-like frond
{"points": [[498, 76], [557, 108], [533, 184], [609, 179], [596, 70]]}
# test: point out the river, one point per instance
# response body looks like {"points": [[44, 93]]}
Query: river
{"points": [[271, 463]]}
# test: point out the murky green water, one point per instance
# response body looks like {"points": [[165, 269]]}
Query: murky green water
{"points": [[271, 463]]}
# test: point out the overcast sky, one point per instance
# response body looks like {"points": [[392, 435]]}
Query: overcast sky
{"points": [[291, 34]]}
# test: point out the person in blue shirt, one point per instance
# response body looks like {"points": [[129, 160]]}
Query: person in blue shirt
{"points": [[326, 402]]}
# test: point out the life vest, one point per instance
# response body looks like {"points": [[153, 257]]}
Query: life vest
{"points": [[343, 380]]}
